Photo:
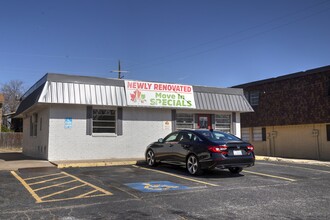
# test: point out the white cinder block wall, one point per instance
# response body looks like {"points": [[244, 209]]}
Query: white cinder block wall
{"points": [[36, 146], [237, 125], [141, 126]]}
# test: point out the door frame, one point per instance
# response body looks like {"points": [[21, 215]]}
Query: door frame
{"points": [[209, 122]]}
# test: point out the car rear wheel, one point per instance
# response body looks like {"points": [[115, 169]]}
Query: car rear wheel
{"points": [[150, 158], [193, 165], [235, 170]]}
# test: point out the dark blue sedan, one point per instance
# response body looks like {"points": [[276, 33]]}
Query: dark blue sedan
{"points": [[199, 150]]}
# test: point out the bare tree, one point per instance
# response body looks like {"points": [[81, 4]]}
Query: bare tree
{"points": [[12, 91]]}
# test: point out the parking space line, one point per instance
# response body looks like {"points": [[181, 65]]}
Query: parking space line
{"points": [[86, 194], [178, 176], [268, 175], [59, 184], [49, 180], [42, 199], [39, 177], [91, 185], [62, 191], [35, 196]]}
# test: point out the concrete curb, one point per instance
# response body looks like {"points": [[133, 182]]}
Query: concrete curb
{"points": [[298, 161], [122, 162], [95, 163]]}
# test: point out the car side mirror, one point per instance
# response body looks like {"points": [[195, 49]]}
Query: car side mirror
{"points": [[160, 140]]}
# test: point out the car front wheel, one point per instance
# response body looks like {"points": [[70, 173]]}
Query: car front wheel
{"points": [[235, 170], [193, 165], [150, 158]]}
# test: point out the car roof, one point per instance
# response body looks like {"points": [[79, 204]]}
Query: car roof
{"points": [[197, 130]]}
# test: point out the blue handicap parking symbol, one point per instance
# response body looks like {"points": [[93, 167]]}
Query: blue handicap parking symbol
{"points": [[156, 186]]}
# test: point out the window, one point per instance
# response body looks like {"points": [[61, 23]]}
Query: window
{"points": [[188, 137], [34, 125], [328, 132], [184, 121], [252, 97], [328, 86], [246, 134], [104, 121], [223, 122], [171, 138], [263, 134], [40, 126], [257, 134]]}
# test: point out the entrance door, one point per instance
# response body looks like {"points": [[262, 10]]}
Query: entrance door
{"points": [[204, 122]]}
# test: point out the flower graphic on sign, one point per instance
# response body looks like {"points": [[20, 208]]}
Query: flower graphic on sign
{"points": [[138, 96]]}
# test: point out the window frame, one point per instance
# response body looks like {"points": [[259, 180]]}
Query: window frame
{"points": [[34, 125], [115, 121], [179, 125], [230, 123], [245, 134], [254, 97]]}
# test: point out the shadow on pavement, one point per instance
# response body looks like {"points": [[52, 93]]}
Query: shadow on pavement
{"points": [[180, 170], [12, 156]]}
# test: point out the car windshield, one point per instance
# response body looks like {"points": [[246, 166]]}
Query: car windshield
{"points": [[218, 136]]}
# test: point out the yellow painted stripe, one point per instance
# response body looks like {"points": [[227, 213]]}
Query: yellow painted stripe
{"points": [[29, 189], [268, 175], [49, 180], [178, 176], [39, 177], [62, 191], [91, 185], [51, 186], [86, 194], [66, 199]]}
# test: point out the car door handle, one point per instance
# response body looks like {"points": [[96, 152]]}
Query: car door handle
{"points": [[186, 146]]}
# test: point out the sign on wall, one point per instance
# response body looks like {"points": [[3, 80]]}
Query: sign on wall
{"points": [[152, 94], [68, 123], [167, 125]]}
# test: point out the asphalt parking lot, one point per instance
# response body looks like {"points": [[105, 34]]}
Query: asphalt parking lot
{"points": [[269, 190]]}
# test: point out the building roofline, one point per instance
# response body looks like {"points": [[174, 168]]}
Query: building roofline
{"points": [[206, 98], [284, 77]]}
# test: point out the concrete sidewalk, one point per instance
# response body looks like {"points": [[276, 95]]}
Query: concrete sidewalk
{"points": [[97, 163], [16, 160], [298, 161]]}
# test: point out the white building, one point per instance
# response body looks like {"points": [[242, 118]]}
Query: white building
{"points": [[68, 117]]}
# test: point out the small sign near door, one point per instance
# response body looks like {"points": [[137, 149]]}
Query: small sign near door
{"points": [[167, 125]]}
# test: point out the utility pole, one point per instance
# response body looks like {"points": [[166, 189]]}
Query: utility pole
{"points": [[119, 71]]}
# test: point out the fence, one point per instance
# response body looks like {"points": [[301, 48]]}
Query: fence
{"points": [[11, 141]]}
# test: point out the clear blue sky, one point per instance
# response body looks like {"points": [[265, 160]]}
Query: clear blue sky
{"points": [[199, 42]]}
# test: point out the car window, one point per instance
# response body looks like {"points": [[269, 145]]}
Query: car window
{"points": [[185, 137], [171, 137], [188, 137], [219, 136], [196, 139]]}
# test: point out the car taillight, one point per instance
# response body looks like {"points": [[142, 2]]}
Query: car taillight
{"points": [[250, 148], [218, 149]]}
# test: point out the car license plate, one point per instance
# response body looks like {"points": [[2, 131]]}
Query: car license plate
{"points": [[237, 152]]}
